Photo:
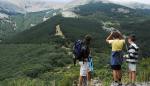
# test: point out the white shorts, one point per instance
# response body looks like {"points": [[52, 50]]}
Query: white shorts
{"points": [[83, 68], [132, 67]]}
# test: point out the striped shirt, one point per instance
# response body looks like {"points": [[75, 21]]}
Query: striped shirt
{"points": [[133, 53]]}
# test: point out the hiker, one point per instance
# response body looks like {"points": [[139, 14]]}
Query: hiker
{"points": [[117, 42], [81, 52], [132, 59]]}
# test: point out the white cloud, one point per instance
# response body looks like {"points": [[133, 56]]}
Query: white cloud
{"points": [[132, 1], [69, 14]]}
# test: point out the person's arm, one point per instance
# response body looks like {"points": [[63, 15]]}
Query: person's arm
{"points": [[109, 37]]}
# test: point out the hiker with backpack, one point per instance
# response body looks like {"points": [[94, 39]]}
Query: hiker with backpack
{"points": [[132, 59], [117, 42], [81, 52]]}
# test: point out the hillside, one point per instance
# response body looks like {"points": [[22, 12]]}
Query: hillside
{"points": [[70, 27], [17, 23], [90, 21]]}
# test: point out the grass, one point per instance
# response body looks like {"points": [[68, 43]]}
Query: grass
{"points": [[48, 64]]}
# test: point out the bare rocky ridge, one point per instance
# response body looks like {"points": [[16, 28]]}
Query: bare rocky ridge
{"points": [[59, 32]]}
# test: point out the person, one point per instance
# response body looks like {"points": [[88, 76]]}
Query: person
{"points": [[117, 42], [132, 59], [81, 52], [90, 69]]}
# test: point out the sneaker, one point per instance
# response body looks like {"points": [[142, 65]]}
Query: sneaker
{"points": [[128, 84], [115, 84], [133, 84], [120, 83]]}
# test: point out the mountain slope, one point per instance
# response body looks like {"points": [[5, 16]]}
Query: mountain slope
{"points": [[13, 24], [73, 28], [91, 21]]}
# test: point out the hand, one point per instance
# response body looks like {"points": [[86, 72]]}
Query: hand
{"points": [[111, 32]]}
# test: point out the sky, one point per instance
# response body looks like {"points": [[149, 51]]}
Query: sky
{"points": [[144, 1], [66, 1]]}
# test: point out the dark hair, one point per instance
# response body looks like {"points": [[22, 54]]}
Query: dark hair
{"points": [[116, 35], [132, 37], [88, 39]]}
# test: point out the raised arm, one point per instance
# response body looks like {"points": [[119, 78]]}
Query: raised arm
{"points": [[109, 37]]}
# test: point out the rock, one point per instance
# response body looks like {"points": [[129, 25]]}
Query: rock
{"points": [[59, 32]]}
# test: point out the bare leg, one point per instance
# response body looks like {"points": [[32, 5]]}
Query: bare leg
{"points": [[115, 75], [133, 76], [89, 78], [119, 75], [130, 76], [80, 80]]}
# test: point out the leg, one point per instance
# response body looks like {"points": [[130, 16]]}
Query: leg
{"points": [[132, 69], [80, 80], [119, 75], [133, 76], [115, 75], [80, 77], [89, 78], [119, 72], [130, 76]]}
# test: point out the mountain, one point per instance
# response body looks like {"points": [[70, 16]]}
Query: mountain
{"points": [[9, 8], [126, 9], [137, 5], [23, 6], [18, 15], [131, 3], [3, 16], [19, 6], [12, 24]]}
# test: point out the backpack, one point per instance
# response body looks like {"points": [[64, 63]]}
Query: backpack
{"points": [[90, 64], [78, 50]]}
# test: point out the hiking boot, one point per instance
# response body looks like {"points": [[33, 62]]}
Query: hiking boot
{"points": [[115, 84]]}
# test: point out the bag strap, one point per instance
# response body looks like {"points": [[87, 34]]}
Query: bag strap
{"points": [[126, 46]]}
